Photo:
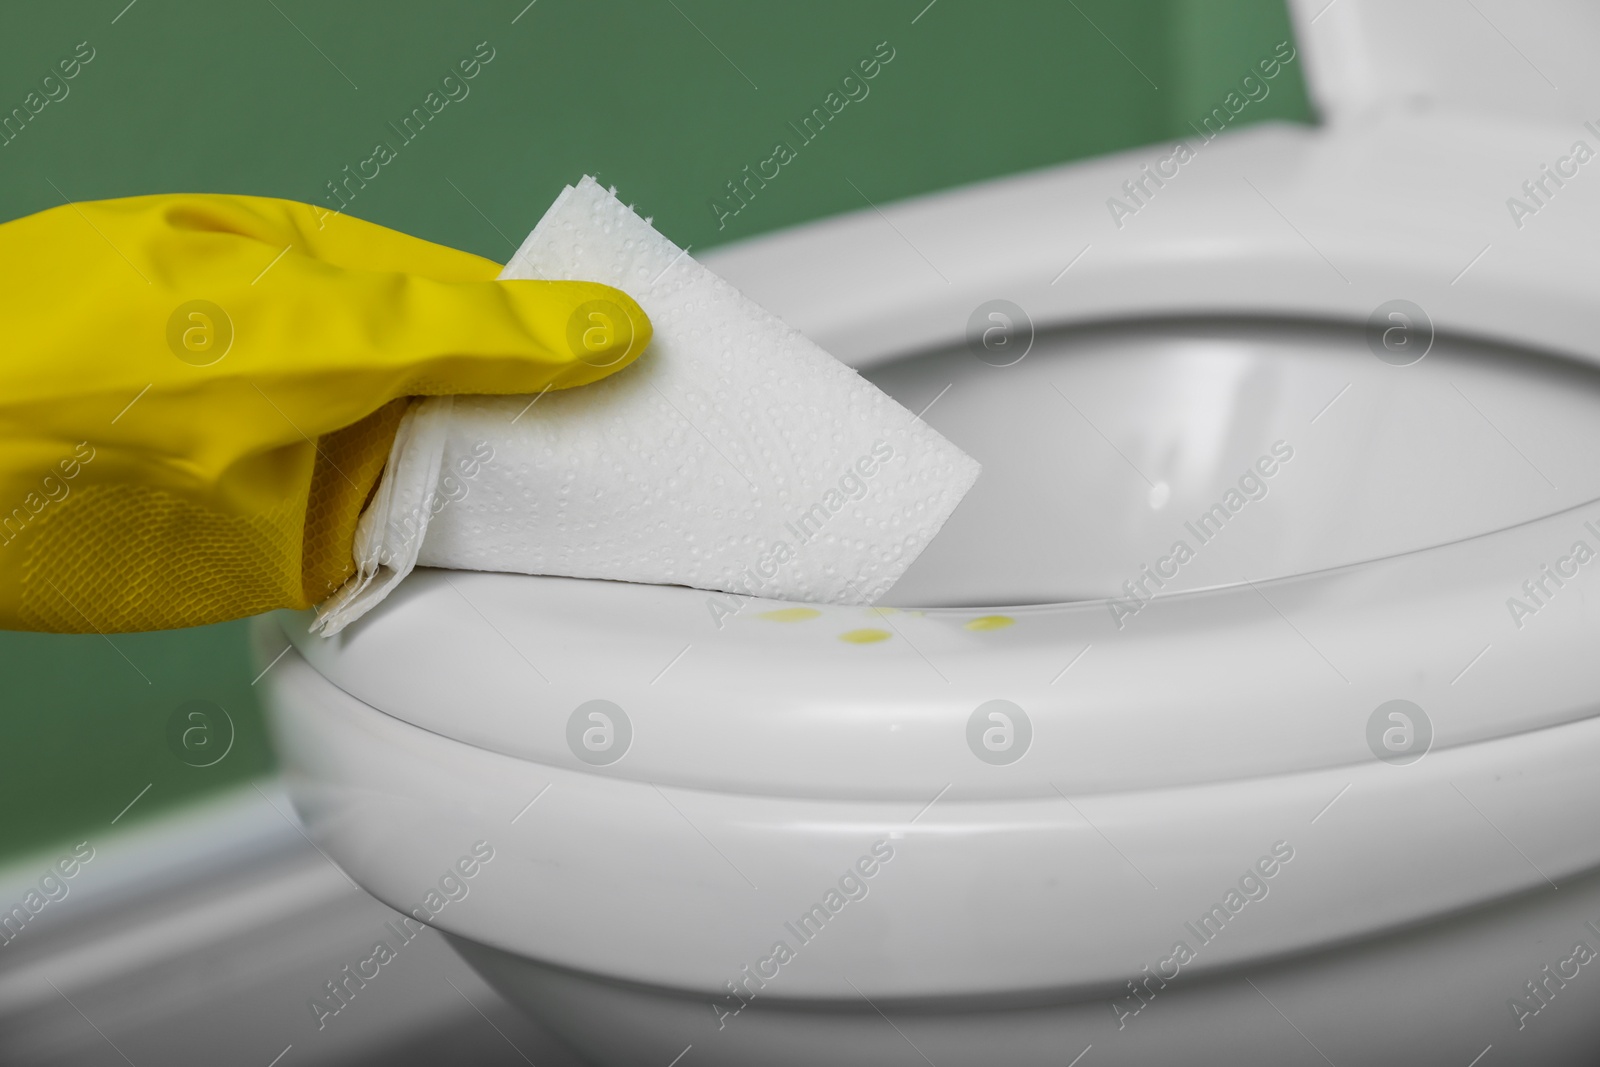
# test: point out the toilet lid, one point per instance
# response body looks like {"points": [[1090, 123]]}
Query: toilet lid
{"points": [[1364, 56], [1271, 673]]}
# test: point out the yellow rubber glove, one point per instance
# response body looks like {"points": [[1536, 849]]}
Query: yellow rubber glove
{"points": [[198, 393]]}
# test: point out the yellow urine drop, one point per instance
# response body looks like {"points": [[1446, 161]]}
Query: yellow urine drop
{"points": [[791, 614], [864, 637], [990, 622]]}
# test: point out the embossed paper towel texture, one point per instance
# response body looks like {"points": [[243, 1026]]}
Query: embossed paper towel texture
{"points": [[733, 455]]}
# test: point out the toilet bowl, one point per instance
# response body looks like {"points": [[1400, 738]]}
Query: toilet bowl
{"points": [[1320, 786]]}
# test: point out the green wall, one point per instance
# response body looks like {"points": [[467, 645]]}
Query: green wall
{"points": [[666, 99]]}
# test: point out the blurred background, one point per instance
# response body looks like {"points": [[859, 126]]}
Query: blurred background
{"points": [[668, 101]]}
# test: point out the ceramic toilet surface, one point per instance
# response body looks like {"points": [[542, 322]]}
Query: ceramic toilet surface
{"points": [[939, 897], [1272, 220], [1069, 743], [1107, 446], [831, 702]]}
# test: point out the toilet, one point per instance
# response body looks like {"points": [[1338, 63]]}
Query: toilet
{"points": [[1322, 785]]}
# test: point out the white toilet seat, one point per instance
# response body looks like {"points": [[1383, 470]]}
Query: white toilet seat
{"points": [[682, 888], [765, 707]]}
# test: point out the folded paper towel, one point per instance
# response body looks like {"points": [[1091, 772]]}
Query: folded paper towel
{"points": [[733, 455]]}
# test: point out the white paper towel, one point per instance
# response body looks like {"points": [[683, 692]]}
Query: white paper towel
{"points": [[733, 455]]}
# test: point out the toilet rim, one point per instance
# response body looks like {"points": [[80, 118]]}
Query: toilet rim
{"points": [[855, 285]]}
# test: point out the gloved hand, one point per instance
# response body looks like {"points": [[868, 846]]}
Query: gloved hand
{"points": [[198, 394]]}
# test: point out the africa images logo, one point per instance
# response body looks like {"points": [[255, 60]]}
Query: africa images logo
{"points": [[853, 87], [851, 486], [1252, 486], [850, 886], [1252, 886]]}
